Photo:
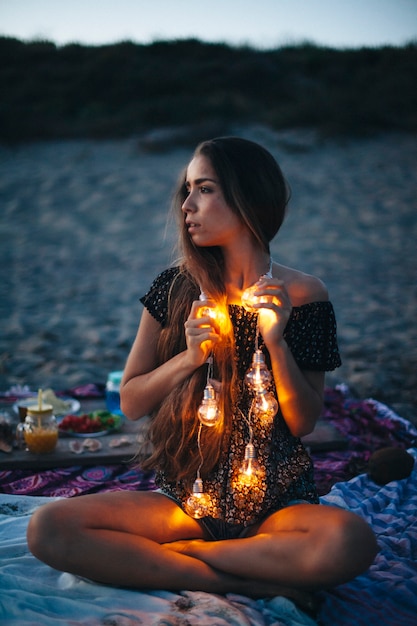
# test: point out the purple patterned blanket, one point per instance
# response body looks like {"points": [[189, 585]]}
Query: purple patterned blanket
{"points": [[366, 424]]}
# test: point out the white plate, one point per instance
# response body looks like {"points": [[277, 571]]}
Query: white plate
{"points": [[67, 433], [73, 405]]}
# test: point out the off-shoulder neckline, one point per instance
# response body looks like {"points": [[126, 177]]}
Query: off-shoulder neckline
{"points": [[294, 308]]}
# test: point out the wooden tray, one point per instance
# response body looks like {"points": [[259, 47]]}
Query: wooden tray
{"points": [[62, 456]]}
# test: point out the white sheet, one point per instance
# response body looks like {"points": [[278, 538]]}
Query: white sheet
{"points": [[32, 593]]}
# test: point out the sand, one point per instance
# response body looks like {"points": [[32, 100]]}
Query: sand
{"points": [[84, 231]]}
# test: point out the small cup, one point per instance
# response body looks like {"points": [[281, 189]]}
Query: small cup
{"points": [[22, 409]]}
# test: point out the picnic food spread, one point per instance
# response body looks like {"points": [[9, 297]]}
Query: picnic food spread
{"points": [[88, 423]]}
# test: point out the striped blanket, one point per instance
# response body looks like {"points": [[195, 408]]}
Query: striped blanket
{"points": [[387, 593]]}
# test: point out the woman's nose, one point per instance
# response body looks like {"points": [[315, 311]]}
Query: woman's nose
{"points": [[187, 205]]}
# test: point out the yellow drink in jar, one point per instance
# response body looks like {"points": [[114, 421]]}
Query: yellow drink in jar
{"points": [[40, 440], [40, 430]]}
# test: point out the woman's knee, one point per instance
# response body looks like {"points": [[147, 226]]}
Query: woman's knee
{"points": [[360, 538], [350, 546], [48, 529]]}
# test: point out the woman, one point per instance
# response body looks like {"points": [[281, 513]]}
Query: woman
{"points": [[212, 526]]}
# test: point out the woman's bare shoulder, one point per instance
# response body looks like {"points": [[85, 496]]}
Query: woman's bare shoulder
{"points": [[302, 288]]}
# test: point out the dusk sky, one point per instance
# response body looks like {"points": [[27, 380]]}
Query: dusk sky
{"points": [[261, 23]]}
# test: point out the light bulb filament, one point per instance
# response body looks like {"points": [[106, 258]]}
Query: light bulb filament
{"points": [[265, 404], [251, 472], [208, 411], [258, 376], [249, 468], [198, 503]]}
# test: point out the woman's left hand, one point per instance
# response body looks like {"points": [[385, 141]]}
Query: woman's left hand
{"points": [[274, 309]]}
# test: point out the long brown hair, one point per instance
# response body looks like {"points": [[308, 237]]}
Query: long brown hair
{"points": [[255, 189]]}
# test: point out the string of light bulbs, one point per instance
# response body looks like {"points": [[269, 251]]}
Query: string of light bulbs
{"points": [[263, 406]]}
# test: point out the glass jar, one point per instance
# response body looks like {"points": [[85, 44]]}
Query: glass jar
{"points": [[113, 392], [39, 431]]}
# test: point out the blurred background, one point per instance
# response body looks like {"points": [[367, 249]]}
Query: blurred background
{"points": [[115, 68]]}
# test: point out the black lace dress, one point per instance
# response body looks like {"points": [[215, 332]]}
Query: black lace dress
{"points": [[288, 471]]}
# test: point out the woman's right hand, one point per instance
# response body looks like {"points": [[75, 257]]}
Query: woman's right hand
{"points": [[146, 382], [201, 333]]}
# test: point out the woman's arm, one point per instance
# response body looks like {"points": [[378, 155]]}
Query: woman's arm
{"points": [[145, 384], [300, 392]]}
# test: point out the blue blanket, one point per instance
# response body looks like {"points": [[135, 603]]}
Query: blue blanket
{"points": [[32, 593], [387, 594]]}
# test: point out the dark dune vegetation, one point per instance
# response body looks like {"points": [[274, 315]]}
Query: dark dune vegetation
{"points": [[120, 90]]}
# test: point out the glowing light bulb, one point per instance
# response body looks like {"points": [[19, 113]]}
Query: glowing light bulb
{"points": [[265, 405], [258, 376], [198, 503], [210, 309], [251, 472], [249, 299], [208, 411]]}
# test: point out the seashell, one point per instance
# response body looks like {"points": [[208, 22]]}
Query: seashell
{"points": [[93, 445], [76, 446], [118, 442]]}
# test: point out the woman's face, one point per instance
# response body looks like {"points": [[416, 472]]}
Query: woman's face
{"points": [[209, 220]]}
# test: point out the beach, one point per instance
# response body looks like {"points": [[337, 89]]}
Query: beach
{"points": [[84, 231]]}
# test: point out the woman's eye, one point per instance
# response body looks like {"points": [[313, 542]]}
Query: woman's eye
{"points": [[205, 189]]}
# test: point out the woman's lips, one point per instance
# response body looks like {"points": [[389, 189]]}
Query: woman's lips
{"points": [[192, 226]]}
